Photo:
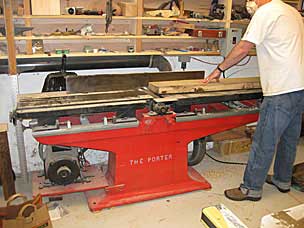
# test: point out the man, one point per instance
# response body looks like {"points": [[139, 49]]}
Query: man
{"points": [[277, 30]]}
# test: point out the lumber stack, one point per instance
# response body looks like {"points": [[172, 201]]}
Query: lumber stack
{"points": [[197, 86]]}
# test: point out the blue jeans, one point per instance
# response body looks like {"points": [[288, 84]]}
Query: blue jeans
{"points": [[278, 130]]}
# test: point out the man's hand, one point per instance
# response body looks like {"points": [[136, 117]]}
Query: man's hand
{"points": [[237, 54], [215, 75]]}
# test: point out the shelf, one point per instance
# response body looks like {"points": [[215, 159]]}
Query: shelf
{"points": [[77, 37], [81, 54], [240, 22], [192, 53], [73, 17], [182, 19], [117, 18]]}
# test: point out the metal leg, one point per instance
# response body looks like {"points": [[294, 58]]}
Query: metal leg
{"points": [[21, 152]]}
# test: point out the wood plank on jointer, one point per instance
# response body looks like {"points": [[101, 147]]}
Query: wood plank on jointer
{"points": [[65, 102], [59, 99], [176, 97], [196, 86], [75, 107]]}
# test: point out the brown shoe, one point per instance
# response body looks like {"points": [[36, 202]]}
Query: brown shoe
{"points": [[269, 181], [236, 194]]}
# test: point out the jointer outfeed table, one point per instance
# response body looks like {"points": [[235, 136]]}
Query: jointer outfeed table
{"points": [[145, 126]]}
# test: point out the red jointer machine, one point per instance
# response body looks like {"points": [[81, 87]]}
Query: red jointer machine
{"points": [[146, 133]]}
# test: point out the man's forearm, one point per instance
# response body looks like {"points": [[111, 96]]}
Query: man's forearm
{"points": [[240, 51]]}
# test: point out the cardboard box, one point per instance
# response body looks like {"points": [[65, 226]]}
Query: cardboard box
{"points": [[232, 146], [45, 7], [128, 9]]}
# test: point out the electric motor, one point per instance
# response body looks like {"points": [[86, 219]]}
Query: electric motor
{"points": [[61, 165]]}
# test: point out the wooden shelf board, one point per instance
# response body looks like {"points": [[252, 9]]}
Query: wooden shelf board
{"points": [[76, 54], [240, 22], [117, 18], [77, 37], [197, 53], [73, 17], [182, 19]]}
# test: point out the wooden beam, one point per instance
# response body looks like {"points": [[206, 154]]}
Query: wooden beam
{"points": [[196, 86], [228, 10], [139, 24], [9, 27], [182, 8], [28, 22], [6, 171]]}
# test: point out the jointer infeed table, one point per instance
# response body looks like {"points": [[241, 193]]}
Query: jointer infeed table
{"points": [[145, 128]]}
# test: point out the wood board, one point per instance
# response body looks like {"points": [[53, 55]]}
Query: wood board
{"points": [[197, 86], [6, 171], [61, 100], [45, 7]]}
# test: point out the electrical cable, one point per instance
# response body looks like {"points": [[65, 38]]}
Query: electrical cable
{"points": [[243, 64], [225, 162], [199, 60]]}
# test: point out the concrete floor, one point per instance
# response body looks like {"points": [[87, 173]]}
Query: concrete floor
{"points": [[182, 210]]}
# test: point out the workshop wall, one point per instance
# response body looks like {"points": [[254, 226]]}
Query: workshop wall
{"points": [[32, 83]]}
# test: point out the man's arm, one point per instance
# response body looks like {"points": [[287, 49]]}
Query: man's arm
{"points": [[239, 52]]}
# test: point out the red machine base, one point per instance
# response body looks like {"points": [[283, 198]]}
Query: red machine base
{"points": [[100, 200], [147, 160]]}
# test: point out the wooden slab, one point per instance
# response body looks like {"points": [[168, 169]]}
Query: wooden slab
{"points": [[45, 7], [175, 97], [61, 103], [41, 100], [112, 82], [79, 109], [196, 86]]}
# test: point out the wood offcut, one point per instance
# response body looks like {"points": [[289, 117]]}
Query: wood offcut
{"points": [[61, 101], [6, 171], [197, 86]]}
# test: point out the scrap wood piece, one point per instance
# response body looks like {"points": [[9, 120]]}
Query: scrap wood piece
{"points": [[196, 86], [6, 171], [63, 99]]}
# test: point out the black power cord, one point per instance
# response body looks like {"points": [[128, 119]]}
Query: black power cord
{"points": [[243, 64], [225, 162]]}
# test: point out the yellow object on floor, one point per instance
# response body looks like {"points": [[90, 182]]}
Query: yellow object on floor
{"points": [[220, 217]]}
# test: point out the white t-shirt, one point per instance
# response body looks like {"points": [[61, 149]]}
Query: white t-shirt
{"points": [[277, 30]]}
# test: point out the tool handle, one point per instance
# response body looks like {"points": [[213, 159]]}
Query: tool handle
{"points": [[63, 63]]}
